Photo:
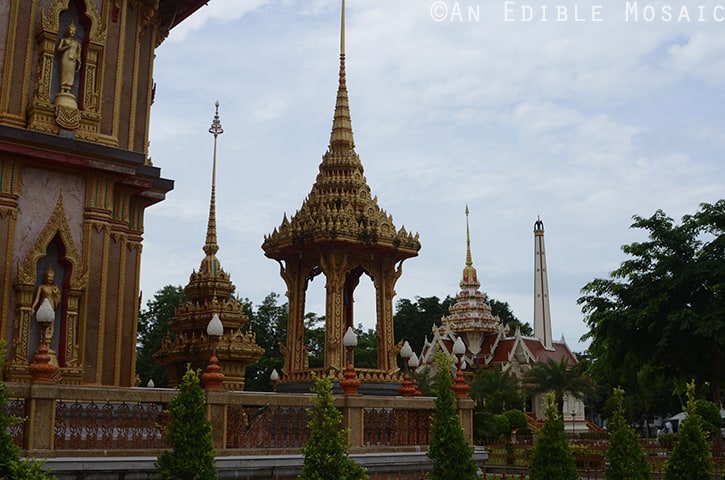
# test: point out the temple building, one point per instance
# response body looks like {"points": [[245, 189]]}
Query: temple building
{"points": [[75, 181], [210, 292], [490, 344], [341, 232]]}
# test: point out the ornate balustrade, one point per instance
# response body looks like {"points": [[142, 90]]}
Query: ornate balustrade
{"points": [[72, 420]]}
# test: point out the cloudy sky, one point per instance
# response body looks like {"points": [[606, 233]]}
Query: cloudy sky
{"points": [[585, 113]]}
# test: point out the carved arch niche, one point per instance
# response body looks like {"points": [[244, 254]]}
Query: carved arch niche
{"points": [[54, 247], [43, 113]]}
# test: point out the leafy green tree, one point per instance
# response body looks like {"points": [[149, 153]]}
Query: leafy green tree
{"points": [[315, 339], [663, 306], [188, 435], [495, 391], [551, 457], [12, 466], [556, 376], [449, 450], [269, 324], [690, 458], [366, 352], [625, 455], [326, 451], [413, 321], [153, 326], [503, 311], [711, 418]]}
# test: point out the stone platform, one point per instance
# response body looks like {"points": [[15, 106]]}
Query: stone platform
{"points": [[395, 465]]}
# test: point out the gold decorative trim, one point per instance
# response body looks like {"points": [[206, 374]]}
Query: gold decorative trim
{"points": [[51, 19], [57, 224]]}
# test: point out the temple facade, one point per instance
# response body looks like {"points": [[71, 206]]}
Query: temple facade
{"points": [[342, 233], [76, 90]]}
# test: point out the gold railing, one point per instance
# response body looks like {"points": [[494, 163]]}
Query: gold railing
{"points": [[72, 420]]}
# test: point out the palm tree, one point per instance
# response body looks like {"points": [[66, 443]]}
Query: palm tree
{"points": [[556, 376], [496, 392]]}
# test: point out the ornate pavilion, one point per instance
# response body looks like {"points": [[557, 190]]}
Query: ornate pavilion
{"points": [[341, 232]]}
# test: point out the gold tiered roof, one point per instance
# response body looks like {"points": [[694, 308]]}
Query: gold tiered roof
{"points": [[209, 291], [340, 207]]}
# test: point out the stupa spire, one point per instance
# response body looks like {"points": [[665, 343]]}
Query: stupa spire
{"points": [[469, 260], [341, 136], [542, 314], [210, 264]]}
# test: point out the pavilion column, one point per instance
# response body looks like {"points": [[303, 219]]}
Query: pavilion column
{"points": [[335, 268], [294, 355], [385, 291]]}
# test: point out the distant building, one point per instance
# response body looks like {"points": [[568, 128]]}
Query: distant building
{"points": [[490, 344]]}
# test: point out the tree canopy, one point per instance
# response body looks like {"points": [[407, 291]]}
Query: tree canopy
{"points": [[661, 312], [153, 326]]}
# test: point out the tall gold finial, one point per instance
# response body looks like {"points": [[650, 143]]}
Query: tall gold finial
{"points": [[211, 246], [341, 136], [469, 260]]}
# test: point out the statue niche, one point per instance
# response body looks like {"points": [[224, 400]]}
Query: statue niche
{"points": [[50, 286], [67, 91], [68, 63], [52, 270]]}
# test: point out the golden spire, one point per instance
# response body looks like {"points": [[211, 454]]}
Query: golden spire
{"points": [[469, 260], [210, 263], [470, 277], [342, 124]]}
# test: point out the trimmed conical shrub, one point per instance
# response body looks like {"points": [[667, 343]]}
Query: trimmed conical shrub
{"points": [[690, 458], [188, 434], [626, 457], [451, 453], [326, 451], [551, 457]]}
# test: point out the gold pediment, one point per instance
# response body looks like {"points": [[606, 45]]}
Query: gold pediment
{"points": [[57, 225]]}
